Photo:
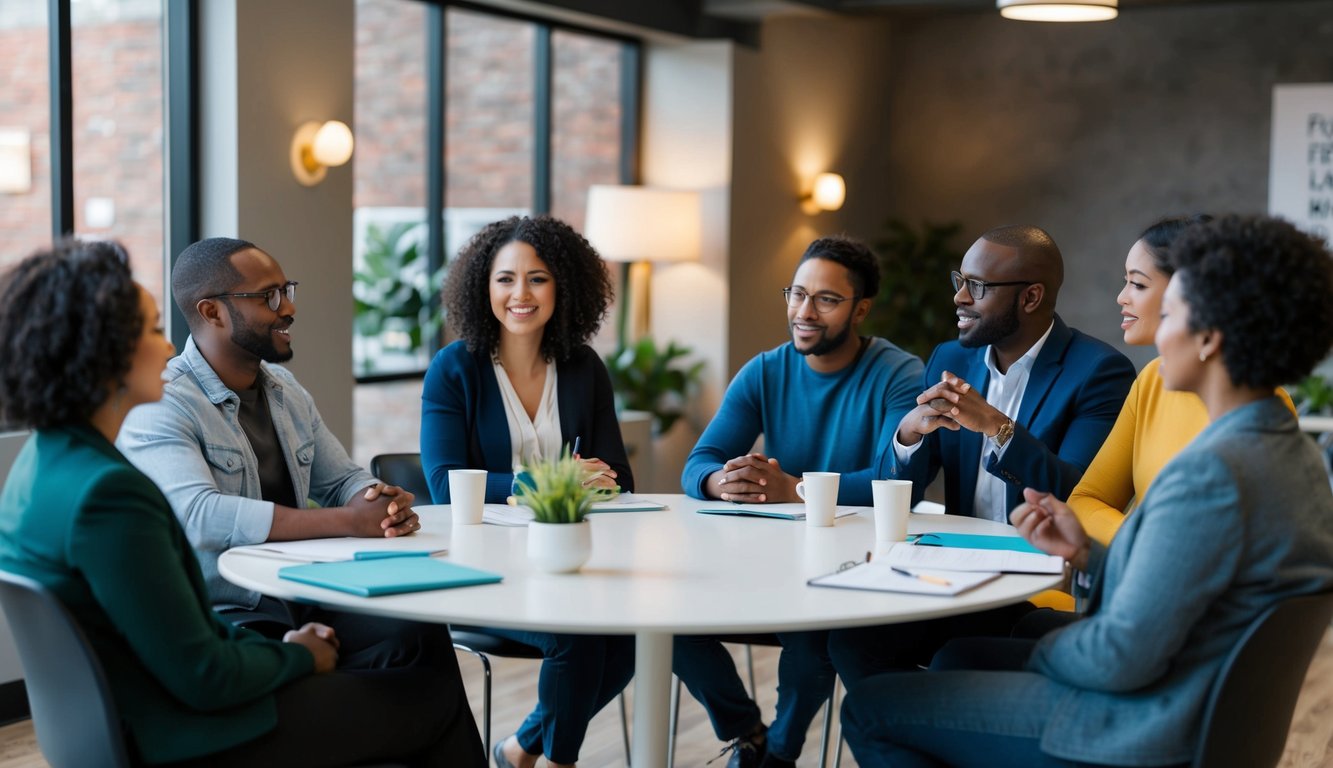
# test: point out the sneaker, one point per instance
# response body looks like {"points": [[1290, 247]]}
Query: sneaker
{"points": [[744, 752]]}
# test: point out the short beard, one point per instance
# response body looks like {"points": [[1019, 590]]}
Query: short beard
{"points": [[988, 332], [827, 344], [258, 344]]}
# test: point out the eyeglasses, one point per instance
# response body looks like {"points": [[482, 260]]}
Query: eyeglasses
{"points": [[977, 288], [824, 302], [273, 296]]}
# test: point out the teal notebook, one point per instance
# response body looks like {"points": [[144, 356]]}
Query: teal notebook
{"points": [[387, 576], [974, 541]]}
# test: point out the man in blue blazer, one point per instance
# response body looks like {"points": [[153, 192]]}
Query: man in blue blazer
{"points": [[1020, 400]]}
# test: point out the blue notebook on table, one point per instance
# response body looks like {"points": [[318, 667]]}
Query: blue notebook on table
{"points": [[974, 541], [388, 575]]}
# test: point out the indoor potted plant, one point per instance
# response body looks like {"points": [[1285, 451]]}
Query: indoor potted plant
{"points": [[559, 538]]}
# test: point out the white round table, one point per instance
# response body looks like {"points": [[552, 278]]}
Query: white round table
{"points": [[658, 574]]}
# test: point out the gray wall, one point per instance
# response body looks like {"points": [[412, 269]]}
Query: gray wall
{"points": [[1093, 131]]}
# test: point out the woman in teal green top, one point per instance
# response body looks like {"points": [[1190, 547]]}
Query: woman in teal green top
{"points": [[81, 345]]}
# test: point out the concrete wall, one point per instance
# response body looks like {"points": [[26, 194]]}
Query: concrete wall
{"points": [[1093, 131], [805, 102], [268, 68]]}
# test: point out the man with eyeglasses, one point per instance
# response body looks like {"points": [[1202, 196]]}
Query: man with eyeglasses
{"points": [[238, 446], [1019, 400], [825, 401]]}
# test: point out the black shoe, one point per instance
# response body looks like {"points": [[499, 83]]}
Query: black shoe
{"points": [[745, 753], [771, 761]]}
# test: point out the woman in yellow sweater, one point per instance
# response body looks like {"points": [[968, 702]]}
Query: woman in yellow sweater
{"points": [[1154, 423]]}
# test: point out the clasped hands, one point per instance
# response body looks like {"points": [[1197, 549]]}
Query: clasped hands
{"points": [[950, 404], [752, 478], [384, 510], [320, 640]]}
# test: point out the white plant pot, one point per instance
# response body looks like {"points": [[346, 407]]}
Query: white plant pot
{"points": [[559, 547]]}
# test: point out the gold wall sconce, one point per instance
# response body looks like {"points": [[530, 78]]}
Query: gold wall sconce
{"points": [[316, 147]]}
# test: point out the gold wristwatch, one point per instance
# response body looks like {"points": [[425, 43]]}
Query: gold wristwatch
{"points": [[1005, 432]]}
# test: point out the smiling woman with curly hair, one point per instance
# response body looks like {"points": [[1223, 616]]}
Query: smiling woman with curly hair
{"points": [[525, 295]]}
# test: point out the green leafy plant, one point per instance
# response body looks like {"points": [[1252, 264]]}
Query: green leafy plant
{"points": [[647, 378], [1314, 395], [914, 308], [555, 492], [395, 282]]}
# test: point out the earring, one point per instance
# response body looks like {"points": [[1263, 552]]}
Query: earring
{"points": [[1203, 356]]}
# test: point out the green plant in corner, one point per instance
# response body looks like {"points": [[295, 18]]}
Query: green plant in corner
{"points": [[555, 492], [647, 378], [914, 308], [1313, 396], [395, 282]]}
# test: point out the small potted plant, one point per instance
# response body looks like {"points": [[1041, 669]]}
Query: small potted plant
{"points": [[556, 490]]}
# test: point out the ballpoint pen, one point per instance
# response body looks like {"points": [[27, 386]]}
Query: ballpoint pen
{"points": [[923, 577], [577, 440]]}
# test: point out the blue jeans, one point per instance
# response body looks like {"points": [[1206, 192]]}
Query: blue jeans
{"points": [[805, 682], [580, 674]]}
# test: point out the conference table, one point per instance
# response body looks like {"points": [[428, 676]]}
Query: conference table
{"points": [[658, 574]]}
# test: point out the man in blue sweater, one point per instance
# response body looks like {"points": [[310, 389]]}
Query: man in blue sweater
{"points": [[828, 401]]}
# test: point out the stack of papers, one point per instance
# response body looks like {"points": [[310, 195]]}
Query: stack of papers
{"points": [[954, 563], [346, 548], [519, 515]]}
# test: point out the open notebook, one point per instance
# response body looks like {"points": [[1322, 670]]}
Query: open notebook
{"points": [[881, 577]]}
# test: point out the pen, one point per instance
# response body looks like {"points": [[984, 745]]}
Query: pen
{"points": [[577, 440], [923, 577]]}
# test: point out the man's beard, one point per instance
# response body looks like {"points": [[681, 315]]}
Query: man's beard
{"points": [[258, 344], [826, 343], [992, 331]]}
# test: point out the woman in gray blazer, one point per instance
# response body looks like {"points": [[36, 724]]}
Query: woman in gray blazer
{"points": [[1239, 520]]}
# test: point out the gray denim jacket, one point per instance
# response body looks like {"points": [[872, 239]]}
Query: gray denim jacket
{"points": [[192, 446]]}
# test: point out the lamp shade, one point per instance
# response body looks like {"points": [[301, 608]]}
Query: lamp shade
{"points": [[643, 224], [1058, 10]]}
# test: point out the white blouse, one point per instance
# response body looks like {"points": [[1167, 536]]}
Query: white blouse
{"points": [[531, 438]]}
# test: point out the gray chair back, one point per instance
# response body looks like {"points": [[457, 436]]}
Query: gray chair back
{"points": [[1249, 711], [404, 471], [72, 710]]}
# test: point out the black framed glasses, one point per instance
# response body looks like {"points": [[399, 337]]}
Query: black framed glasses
{"points": [[273, 296], [824, 302], [977, 288]]}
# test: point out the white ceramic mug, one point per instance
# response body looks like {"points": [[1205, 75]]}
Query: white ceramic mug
{"points": [[820, 492], [893, 500], [467, 495]]}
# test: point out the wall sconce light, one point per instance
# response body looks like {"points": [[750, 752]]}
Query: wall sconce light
{"points": [[827, 193], [318, 146], [1060, 10]]}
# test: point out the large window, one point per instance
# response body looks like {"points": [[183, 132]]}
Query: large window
{"points": [[529, 115], [25, 138]]}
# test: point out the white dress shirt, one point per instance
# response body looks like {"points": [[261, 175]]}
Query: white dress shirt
{"points": [[531, 438], [1004, 393]]}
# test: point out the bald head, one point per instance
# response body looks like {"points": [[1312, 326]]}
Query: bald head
{"points": [[1035, 255]]}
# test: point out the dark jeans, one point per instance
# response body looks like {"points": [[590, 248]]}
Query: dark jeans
{"points": [[580, 674], [413, 716], [805, 682]]}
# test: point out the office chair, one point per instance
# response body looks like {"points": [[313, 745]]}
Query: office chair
{"points": [[748, 640], [404, 470], [1248, 714], [72, 710]]}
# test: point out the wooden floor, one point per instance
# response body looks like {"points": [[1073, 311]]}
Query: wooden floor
{"points": [[1310, 744]]}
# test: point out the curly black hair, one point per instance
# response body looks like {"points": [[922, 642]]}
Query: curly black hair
{"points": [[1267, 286], [861, 263], [582, 286], [69, 323]]}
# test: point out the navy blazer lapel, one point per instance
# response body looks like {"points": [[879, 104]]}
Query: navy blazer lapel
{"points": [[1045, 369], [969, 442], [492, 423]]}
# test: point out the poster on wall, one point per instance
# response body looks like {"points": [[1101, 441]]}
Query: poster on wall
{"points": [[1300, 172]]}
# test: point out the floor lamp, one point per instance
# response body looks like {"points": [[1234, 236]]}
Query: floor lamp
{"points": [[638, 226]]}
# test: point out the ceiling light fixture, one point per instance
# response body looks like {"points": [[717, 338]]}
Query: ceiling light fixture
{"points": [[1064, 10]]}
